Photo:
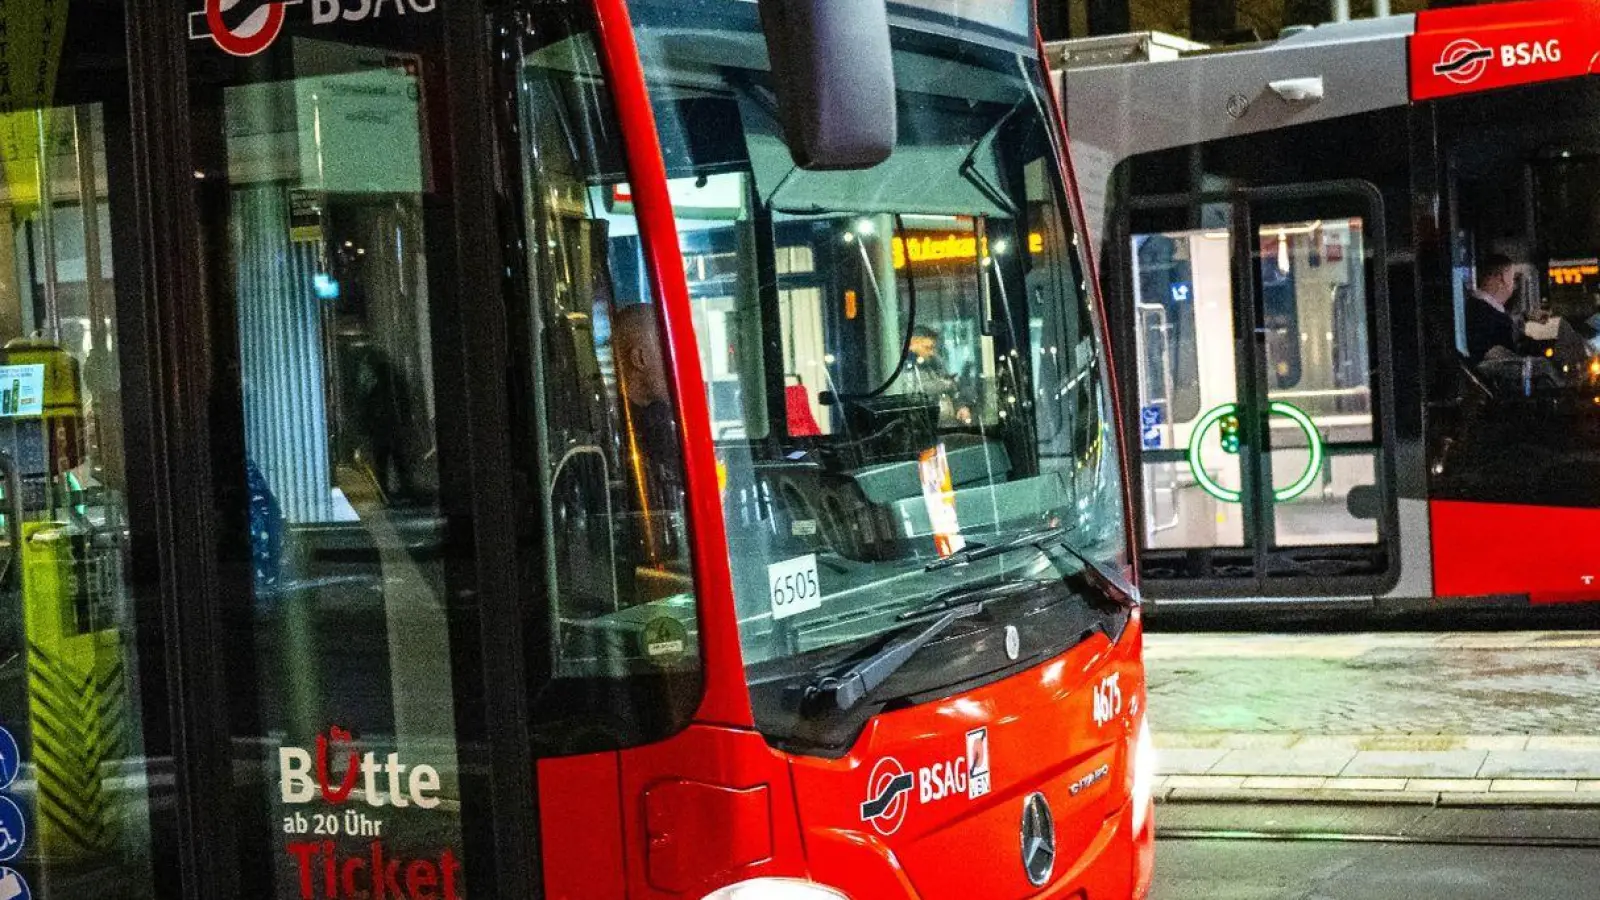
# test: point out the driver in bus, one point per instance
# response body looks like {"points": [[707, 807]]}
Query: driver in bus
{"points": [[931, 378], [1488, 315], [1496, 334]]}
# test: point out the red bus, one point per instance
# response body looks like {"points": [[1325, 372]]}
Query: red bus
{"points": [[555, 449], [1358, 269]]}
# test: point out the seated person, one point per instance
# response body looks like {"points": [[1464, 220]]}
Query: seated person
{"points": [[1487, 313], [928, 375]]}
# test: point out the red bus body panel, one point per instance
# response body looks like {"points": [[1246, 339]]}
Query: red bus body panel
{"points": [[1551, 554], [1042, 736], [716, 804]]}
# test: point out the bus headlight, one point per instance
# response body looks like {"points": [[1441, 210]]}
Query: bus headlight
{"points": [[1144, 775], [775, 889]]}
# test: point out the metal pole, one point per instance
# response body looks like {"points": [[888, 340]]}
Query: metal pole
{"points": [[47, 232], [1340, 10], [89, 203]]}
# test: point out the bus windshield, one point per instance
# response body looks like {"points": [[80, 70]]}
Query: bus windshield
{"points": [[901, 363]]}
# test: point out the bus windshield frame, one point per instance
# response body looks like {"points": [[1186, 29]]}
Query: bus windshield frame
{"points": [[901, 363]]}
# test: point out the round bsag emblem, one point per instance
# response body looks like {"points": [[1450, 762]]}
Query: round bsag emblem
{"points": [[1013, 643], [888, 796], [1238, 105], [255, 34], [1463, 61]]}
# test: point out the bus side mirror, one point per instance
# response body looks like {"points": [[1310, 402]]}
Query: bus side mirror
{"points": [[834, 75]]}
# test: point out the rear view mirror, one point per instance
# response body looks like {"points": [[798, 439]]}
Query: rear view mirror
{"points": [[834, 75]]}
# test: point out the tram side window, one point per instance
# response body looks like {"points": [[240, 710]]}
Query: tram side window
{"points": [[1521, 379], [613, 564]]}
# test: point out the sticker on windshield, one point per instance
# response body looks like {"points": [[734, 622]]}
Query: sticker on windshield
{"points": [[938, 495], [792, 585], [664, 637]]}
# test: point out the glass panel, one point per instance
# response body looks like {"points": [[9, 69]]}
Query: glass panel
{"points": [[914, 341], [1339, 504], [1181, 514], [605, 448], [1183, 283], [333, 232], [74, 807], [1315, 309], [1188, 395]]}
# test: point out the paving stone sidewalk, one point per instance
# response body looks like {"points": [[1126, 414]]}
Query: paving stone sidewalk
{"points": [[1436, 718]]}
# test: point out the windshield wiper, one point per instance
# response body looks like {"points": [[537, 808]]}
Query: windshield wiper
{"points": [[976, 597], [975, 551], [1108, 582], [849, 687]]}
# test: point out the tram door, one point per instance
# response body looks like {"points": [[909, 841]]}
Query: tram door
{"points": [[1257, 322]]}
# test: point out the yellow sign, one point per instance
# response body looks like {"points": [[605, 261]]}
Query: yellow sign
{"points": [[31, 37], [929, 248], [1573, 273]]}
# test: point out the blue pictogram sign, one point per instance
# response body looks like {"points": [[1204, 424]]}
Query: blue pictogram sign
{"points": [[1151, 418], [12, 887], [13, 830], [10, 759]]}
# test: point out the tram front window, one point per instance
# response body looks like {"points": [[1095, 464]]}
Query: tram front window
{"points": [[901, 363]]}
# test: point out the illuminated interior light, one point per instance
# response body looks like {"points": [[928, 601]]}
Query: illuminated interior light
{"points": [[866, 227], [326, 286]]}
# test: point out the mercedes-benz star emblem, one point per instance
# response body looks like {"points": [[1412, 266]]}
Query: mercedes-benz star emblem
{"points": [[1038, 839]]}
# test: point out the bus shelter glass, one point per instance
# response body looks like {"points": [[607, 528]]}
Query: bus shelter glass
{"points": [[326, 204], [74, 780]]}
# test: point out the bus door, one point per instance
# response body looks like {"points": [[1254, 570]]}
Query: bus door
{"points": [[1257, 326]]}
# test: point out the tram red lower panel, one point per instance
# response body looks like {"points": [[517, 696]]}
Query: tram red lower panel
{"points": [[1551, 554]]}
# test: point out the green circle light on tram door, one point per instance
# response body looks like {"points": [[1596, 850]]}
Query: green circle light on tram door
{"points": [[1226, 417]]}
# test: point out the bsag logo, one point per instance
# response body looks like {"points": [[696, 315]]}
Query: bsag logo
{"points": [[251, 36], [1463, 61], [257, 31], [888, 796]]}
